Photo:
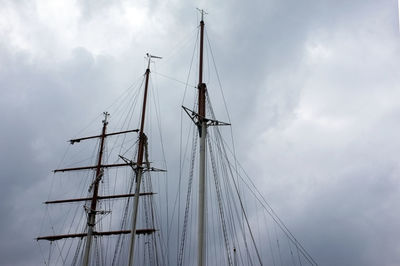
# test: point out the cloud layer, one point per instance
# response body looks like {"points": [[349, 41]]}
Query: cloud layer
{"points": [[312, 90]]}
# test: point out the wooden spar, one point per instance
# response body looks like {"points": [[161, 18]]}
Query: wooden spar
{"points": [[139, 169], [98, 176], [99, 198], [93, 167], [92, 212], [72, 141], [153, 169], [94, 233], [202, 124]]}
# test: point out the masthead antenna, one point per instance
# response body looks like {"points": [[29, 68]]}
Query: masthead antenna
{"points": [[150, 56], [202, 12]]}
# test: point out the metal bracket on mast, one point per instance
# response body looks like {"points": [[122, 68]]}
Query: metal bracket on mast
{"points": [[203, 12], [97, 179], [135, 166], [88, 210], [196, 118], [149, 57]]}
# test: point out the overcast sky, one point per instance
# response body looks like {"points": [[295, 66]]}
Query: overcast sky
{"points": [[313, 89]]}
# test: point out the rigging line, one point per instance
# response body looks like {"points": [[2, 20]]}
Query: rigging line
{"points": [[227, 190], [163, 246], [269, 240], [219, 80], [177, 48], [46, 210], [158, 117], [224, 100], [60, 251], [51, 243], [260, 243], [231, 192], [281, 224], [266, 226], [188, 198], [291, 252], [75, 258], [133, 105], [277, 244], [146, 219], [208, 63], [225, 105], [120, 238], [220, 205], [275, 218], [178, 196], [242, 207], [218, 143], [149, 184], [190, 68], [129, 100], [69, 230], [90, 123], [124, 92], [76, 211], [298, 255], [219, 164], [227, 183], [42, 253], [191, 128], [174, 79], [114, 102], [131, 108], [273, 214], [128, 117], [215, 231]]}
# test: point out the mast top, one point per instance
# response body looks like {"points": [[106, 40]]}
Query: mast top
{"points": [[202, 12], [106, 115], [149, 57]]}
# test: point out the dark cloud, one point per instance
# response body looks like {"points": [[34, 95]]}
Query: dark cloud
{"points": [[311, 86]]}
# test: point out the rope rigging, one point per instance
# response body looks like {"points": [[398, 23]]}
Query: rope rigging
{"points": [[188, 199], [235, 236], [229, 171]]}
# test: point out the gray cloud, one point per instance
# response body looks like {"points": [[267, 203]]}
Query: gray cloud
{"points": [[312, 89]]}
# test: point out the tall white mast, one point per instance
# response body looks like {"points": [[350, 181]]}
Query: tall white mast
{"points": [[202, 124]]}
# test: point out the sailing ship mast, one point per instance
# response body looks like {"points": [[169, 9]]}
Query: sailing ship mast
{"points": [[92, 213], [202, 125], [139, 168], [94, 187], [141, 165], [202, 122]]}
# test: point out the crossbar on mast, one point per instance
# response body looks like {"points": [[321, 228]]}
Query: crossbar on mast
{"points": [[72, 141], [93, 167], [98, 197], [121, 232]]}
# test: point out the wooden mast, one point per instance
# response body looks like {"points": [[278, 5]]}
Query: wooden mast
{"points": [[92, 212], [99, 167], [202, 124], [139, 168]]}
